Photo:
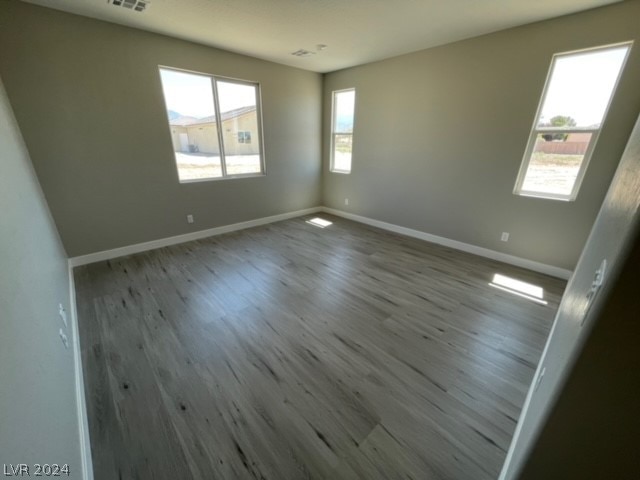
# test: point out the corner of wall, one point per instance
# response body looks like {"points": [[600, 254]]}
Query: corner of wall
{"points": [[83, 425]]}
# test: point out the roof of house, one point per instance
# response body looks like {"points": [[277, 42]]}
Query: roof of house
{"points": [[183, 121]]}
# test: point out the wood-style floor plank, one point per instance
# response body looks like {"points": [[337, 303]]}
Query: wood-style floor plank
{"points": [[292, 352]]}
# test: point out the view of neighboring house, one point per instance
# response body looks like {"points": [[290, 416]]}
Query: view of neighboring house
{"points": [[199, 135]]}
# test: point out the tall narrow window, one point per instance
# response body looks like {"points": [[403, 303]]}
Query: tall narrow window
{"points": [[342, 130], [215, 125], [574, 105]]}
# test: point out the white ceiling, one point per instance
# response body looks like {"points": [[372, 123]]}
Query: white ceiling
{"points": [[355, 31]]}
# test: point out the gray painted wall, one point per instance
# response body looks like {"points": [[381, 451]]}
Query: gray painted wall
{"points": [[612, 239], [592, 432], [88, 99], [440, 135], [38, 415]]}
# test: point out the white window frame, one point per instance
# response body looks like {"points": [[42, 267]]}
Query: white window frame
{"points": [[334, 133], [595, 132], [216, 105]]}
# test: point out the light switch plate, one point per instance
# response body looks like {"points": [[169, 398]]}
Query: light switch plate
{"points": [[596, 285], [63, 315], [539, 379], [63, 337]]}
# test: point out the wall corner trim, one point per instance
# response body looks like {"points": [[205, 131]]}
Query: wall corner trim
{"points": [[81, 405], [187, 237], [465, 247]]}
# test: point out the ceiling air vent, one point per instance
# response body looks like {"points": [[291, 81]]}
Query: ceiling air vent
{"points": [[303, 53], [137, 5]]}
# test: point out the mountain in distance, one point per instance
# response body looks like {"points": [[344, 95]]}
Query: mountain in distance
{"points": [[179, 120], [173, 114], [344, 123]]}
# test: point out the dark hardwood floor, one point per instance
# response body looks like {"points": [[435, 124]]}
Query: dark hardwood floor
{"points": [[291, 352]]}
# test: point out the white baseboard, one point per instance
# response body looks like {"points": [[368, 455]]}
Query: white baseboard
{"points": [[187, 237], [81, 405], [465, 247]]}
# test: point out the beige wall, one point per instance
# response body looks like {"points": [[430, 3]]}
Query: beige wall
{"points": [[38, 414], [440, 135], [247, 123], [204, 136], [175, 137], [88, 99]]}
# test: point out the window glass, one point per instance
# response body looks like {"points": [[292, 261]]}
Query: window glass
{"points": [[342, 130], [573, 108], [192, 101]]}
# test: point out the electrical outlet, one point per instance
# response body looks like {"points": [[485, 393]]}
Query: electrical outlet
{"points": [[505, 236], [346, 201], [189, 218], [63, 337], [63, 315]]}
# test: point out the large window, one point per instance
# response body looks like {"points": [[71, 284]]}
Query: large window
{"points": [[342, 130], [574, 104], [215, 125]]}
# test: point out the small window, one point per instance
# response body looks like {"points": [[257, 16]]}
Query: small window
{"points": [[204, 147], [574, 105], [244, 137], [342, 130]]}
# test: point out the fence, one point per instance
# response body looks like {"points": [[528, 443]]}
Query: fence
{"points": [[562, 148]]}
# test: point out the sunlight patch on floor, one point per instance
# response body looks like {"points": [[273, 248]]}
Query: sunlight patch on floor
{"points": [[319, 222], [518, 287]]}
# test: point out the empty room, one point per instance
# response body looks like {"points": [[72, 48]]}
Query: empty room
{"points": [[299, 239]]}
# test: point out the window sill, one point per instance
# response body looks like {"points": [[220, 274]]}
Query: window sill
{"points": [[545, 196], [228, 177]]}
